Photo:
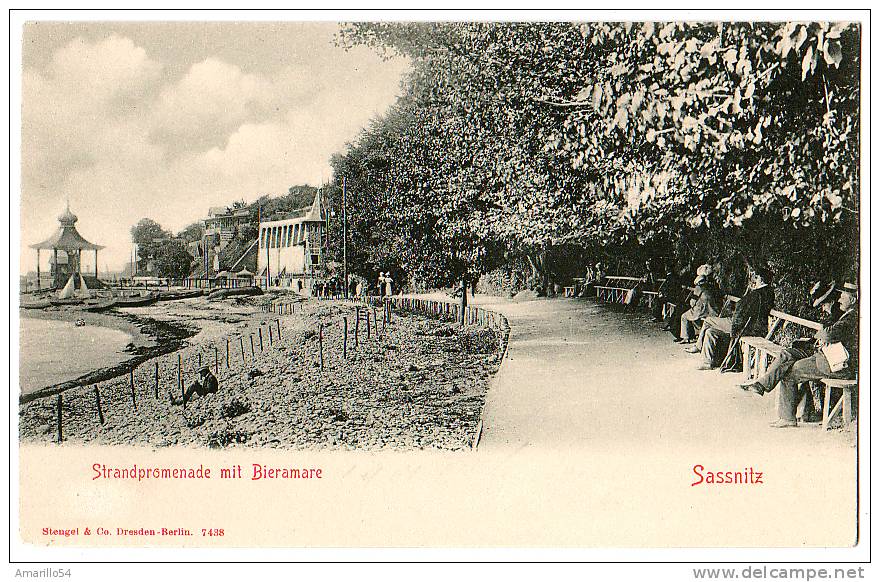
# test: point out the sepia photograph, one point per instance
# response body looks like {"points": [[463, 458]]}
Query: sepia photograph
{"points": [[424, 282]]}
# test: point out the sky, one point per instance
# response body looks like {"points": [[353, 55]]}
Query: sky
{"points": [[163, 120]]}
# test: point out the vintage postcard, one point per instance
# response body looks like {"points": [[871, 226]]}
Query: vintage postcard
{"points": [[576, 284]]}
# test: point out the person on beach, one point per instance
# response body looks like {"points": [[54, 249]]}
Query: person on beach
{"points": [[206, 384]]}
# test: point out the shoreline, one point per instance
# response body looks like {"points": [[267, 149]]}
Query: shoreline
{"points": [[418, 383], [150, 338]]}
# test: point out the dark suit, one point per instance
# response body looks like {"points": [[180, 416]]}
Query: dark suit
{"points": [[749, 318]]}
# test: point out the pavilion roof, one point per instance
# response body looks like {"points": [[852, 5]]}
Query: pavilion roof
{"points": [[67, 238]]}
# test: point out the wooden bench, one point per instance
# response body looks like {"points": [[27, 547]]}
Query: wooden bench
{"points": [[758, 351], [614, 288], [764, 347], [844, 404]]}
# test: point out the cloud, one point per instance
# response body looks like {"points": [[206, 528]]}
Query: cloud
{"points": [[109, 69], [125, 137], [212, 99]]}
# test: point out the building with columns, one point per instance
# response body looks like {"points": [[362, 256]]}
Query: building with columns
{"points": [[66, 247], [291, 251]]}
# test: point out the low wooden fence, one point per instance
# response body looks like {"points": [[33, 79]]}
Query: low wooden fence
{"points": [[162, 381], [166, 377]]}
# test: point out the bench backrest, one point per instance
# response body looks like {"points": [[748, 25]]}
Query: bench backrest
{"points": [[781, 324], [620, 281]]}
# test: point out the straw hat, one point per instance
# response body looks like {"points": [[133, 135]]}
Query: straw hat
{"points": [[821, 291]]}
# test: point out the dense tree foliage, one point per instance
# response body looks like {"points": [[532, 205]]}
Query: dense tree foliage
{"points": [[736, 139], [171, 259]]}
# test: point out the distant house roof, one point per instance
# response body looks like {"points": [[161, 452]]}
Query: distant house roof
{"points": [[217, 211], [313, 213]]}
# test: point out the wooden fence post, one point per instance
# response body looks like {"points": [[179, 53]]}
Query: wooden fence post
{"points": [[271, 339], [375, 323], [321, 344], [260, 332], [227, 353], [344, 337], [278, 324], [180, 373], [357, 324], [368, 323], [216, 361], [156, 382], [98, 405], [241, 345], [252, 344], [131, 384], [59, 421]]}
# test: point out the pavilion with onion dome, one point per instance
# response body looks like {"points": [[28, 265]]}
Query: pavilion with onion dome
{"points": [[66, 245]]}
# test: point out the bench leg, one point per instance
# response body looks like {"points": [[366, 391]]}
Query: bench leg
{"points": [[747, 366], [843, 405], [826, 408], [802, 404], [846, 397]]}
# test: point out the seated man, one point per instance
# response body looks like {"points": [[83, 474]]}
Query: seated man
{"points": [[669, 291], [749, 318], [790, 374], [706, 303], [207, 384], [824, 296], [674, 291]]}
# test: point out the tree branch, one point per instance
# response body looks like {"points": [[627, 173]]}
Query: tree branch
{"points": [[586, 104]]}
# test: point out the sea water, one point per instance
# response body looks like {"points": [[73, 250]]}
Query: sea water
{"points": [[53, 351]]}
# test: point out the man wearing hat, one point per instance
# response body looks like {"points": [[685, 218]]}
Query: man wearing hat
{"points": [[749, 318], [706, 303], [823, 296], [206, 384], [844, 331]]}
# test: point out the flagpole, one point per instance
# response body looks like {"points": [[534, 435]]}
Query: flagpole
{"points": [[344, 240]]}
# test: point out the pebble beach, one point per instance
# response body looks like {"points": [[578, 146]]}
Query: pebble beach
{"points": [[419, 383]]}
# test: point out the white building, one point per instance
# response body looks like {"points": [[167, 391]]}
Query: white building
{"points": [[291, 251]]}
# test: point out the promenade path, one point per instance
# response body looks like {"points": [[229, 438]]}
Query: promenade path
{"points": [[606, 410]]}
